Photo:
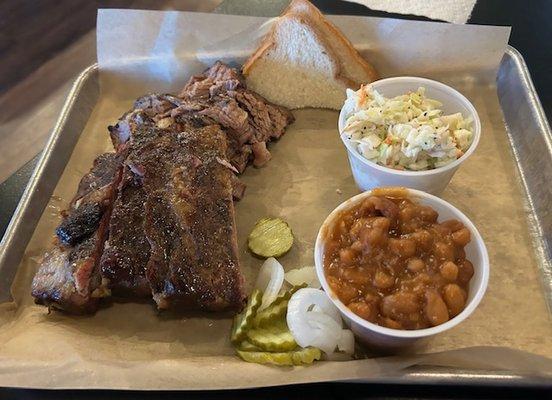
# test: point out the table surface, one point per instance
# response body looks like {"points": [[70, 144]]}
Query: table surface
{"points": [[531, 35]]}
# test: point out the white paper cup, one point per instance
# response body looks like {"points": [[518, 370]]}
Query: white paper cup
{"points": [[388, 338], [368, 174]]}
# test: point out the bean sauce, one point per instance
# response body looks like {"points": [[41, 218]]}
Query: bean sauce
{"points": [[392, 263]]}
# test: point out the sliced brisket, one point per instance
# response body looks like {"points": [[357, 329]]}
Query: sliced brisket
{"points": [[267, 120], [247, 117], [220, 71]]}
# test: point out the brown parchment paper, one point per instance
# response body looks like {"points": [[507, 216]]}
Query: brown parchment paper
{"points": [[131, 346]]}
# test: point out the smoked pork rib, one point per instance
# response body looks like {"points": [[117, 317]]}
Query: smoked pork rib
{"points": [[68, 277], [127, 250], [189, 220]]}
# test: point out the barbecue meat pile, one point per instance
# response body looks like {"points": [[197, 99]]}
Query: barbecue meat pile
{"points": [[156, 218]]}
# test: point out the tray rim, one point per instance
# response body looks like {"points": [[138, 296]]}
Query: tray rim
{"points": [[14, 229], [540, 247], [415, 376]]}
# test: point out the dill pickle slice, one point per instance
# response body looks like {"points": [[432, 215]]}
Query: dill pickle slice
{"points": [[276, 337], [277, 309], [246, 345], [270, 237], [244, 320], [262, 357], [270, 314], [297, 357], [306, 355], [288, 293]]}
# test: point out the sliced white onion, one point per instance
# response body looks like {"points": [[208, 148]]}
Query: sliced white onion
{"points": [[324, 330], [335, 316], [307, 299], [269, 281], [313, 319], [306, 275]]}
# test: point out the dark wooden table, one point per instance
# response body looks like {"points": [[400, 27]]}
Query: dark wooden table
{"points": [[531, 35]]}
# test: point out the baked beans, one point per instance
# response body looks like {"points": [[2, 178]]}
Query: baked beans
{"points": [[392, 263]]}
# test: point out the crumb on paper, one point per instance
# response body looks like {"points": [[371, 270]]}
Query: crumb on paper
{"points": [[338, 191]]}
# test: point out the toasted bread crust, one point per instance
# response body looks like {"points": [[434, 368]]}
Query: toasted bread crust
{"points": [[307, 14], [269, 42], [304, 5]]}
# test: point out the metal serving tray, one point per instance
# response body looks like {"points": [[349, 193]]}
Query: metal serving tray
{"points": [[527, 129]]}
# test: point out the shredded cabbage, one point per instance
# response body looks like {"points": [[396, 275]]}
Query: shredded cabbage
{"points": [[405, 132]]}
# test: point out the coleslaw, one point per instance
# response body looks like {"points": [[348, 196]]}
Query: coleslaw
{"points": [[407, 132]]}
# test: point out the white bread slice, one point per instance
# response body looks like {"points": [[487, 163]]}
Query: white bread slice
{"points": [[305, 61]]}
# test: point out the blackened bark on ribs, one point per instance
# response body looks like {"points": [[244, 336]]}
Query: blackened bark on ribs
{"points": [[94, 196], [68, 277], [127, 250], [80, 224], [94, 185]]}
